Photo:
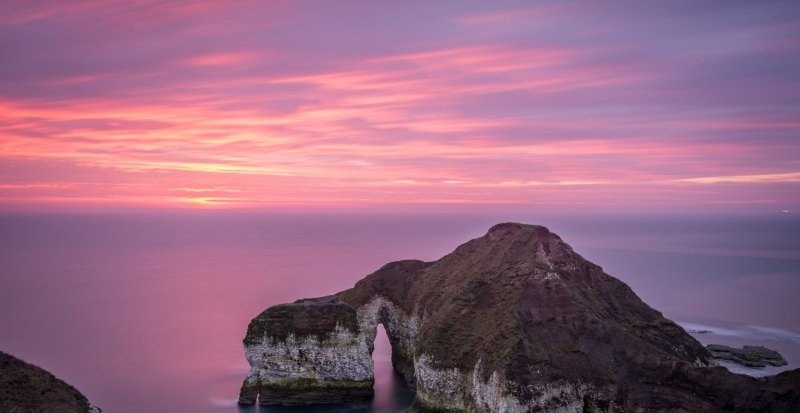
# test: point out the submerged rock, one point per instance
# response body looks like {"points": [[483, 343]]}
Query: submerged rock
{"points": [[514, 321], [25, 388], [748, 356]]}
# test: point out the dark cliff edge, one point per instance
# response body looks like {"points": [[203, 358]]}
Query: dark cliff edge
{"points": [[514, 321], [25, 388]]}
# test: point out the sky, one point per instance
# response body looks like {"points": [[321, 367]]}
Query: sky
{"points": [[390, 105]]}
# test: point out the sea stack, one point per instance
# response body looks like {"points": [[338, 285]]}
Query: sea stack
{"points": [[513, 321]]}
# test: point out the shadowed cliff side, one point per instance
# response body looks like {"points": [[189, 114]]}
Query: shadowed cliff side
{"points": [[25, 388], [513, 321]]}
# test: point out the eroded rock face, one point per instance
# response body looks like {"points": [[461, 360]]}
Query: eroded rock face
{"points": [[514, 321], [25, 388], [310, 351], [318, 351]]}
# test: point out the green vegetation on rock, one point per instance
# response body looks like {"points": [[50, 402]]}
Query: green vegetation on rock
{"points": [[301, 319]]}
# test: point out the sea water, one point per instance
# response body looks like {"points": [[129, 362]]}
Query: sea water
{"points": [[146, 311]]}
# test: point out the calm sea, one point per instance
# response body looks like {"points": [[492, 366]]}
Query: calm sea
{"points": [[146, 312]]}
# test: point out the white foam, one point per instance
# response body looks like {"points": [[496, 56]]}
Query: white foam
{"points": [[776, 333], [694, 328], [220, 402], [745, 331]]}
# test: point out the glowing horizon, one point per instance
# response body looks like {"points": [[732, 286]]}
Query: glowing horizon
{"points": [[314, 105]]}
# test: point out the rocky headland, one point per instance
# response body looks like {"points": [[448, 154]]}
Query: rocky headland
{"points": [[25, 388], [513, 321]]}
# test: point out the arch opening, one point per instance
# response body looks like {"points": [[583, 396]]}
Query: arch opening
{"points": [[391, 392]]}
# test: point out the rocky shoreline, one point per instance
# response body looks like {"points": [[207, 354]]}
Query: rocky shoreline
{"points": [[748, 356]]}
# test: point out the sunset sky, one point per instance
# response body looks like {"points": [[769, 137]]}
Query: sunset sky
{"points": [[400, 104]]}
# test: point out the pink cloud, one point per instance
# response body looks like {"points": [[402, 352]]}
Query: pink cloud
{"points": [[222, 59], [248, 105]]}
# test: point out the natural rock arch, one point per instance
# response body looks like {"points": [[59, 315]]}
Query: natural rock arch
{"points": [[401, 330], [326, 356]]}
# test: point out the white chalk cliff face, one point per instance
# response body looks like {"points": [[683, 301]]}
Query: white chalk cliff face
{"points": [[345, 359], [343, 356], [514, 321], [341, 361]]}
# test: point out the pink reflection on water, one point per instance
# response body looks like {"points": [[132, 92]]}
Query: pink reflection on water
{"points": [[149, 316], [391, 395], [147, 313]]}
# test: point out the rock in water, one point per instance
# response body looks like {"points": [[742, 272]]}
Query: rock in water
{"points": [[748, 356], [25, 388], [514, 321]]}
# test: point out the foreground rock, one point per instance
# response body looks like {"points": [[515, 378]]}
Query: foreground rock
{"points": [[514, 321], [25, 388], [748, 356]]}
